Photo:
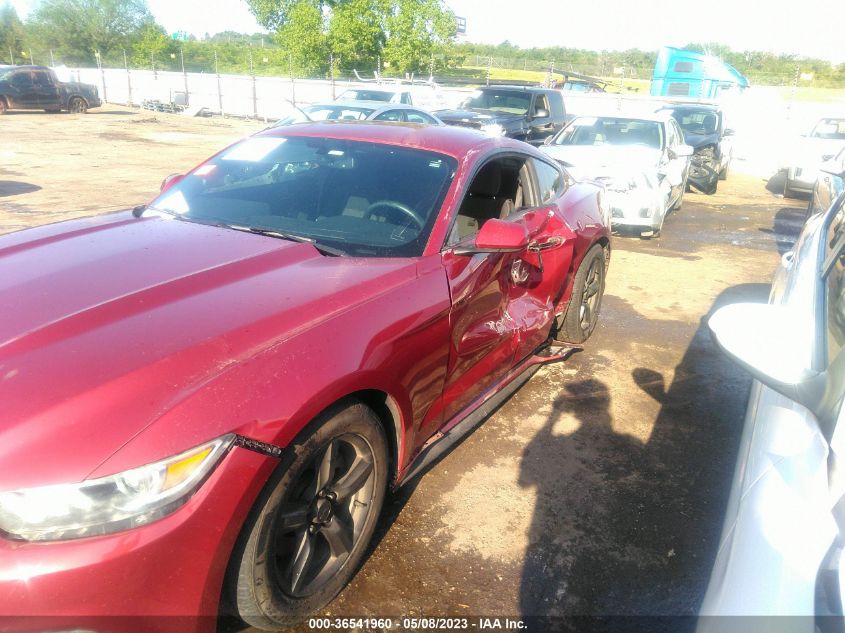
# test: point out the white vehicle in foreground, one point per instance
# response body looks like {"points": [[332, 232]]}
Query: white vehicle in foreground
{"points": [[642, 161], [780, 553]]}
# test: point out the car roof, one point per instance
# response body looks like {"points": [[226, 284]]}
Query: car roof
{"points": [[450, 140], [707, 107], [374, 105], [660, 116], [518, 88]]}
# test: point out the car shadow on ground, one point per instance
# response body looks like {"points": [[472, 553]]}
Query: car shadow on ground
{"points": [[786, 227], [625, 528], [16, 187]]}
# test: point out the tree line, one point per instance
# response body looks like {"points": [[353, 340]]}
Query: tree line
{"points": [[314, 38]]}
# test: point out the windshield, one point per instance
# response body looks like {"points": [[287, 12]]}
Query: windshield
{"points": [[701, 122], [327, 113], [365, 199], [511, 101], [366, 95], [831, 129], [611, 131]]}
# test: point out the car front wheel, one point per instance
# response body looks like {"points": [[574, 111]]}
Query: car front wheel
{"points": [[312, 524]]}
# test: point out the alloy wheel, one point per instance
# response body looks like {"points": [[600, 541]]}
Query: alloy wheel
{"points": [[320, 522], [591, 295]]}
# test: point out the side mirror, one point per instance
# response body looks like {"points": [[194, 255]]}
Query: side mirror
{"points": [[773, 343], [496, 236], [169, 181], [541, 113], [681, 151], [728, 132]]}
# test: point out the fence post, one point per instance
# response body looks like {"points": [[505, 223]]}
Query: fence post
{"points": [[31, 61], [52, 61], [254, 93], [185, 76], [102, 75], [292, 82], [153, 64], [489, 63], [792, 94], [219, 91], [11, 57], [128, 80], [331, 73]]}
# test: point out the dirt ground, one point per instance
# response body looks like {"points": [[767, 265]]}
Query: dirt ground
{"points": [[600, 487]]}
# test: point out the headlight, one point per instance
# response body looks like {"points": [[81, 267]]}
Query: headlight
{"points": [[109, 504], [493, 129]]}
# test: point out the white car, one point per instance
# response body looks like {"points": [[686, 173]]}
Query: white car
{"points": [[822, 143], [642, 161], [427, 97], [781, 546]]}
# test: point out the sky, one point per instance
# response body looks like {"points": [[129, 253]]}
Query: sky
{"points": [[807, 28]]}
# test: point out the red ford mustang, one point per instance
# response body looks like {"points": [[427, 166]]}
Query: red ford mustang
{"points": [[205, 400]]}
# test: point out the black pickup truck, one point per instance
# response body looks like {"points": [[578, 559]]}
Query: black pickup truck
{"points": [[525, 113], [38, 88]]}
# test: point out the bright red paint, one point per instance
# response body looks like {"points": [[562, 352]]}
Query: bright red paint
{"points": [[124, 341]]}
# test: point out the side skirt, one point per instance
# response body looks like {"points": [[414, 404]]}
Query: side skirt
{"points": [[472, 416]]}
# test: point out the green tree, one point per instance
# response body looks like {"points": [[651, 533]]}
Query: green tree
{"points": [[416, 31], [303, 37], [356, 33], [152, 44], [11, 32], [78, 28]]}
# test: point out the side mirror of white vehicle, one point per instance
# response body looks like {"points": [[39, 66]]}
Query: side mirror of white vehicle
{"points": [[680, 151], [773, 343]]}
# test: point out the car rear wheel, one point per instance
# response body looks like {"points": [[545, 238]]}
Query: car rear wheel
{"points": [[77, 105], [312, 524], [581, 316]]}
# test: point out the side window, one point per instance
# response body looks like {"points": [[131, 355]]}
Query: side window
{"points": [[549, 179], [541, 103], [415, 116], [22, 79], [42, 78], [497, 189], [389, 115]]}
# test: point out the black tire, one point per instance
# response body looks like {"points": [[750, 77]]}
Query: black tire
{"points": [[581, 316], [280, 573], [77, 105], [3, 108]]}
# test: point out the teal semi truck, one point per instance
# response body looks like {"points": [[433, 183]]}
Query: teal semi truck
{"points": [[681, 73]]}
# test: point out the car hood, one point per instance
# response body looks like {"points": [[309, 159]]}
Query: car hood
{"points": [[814, 149], [110, 322], [478, 117], [594, 161]]}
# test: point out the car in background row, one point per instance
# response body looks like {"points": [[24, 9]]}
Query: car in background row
{"points": [[823, 142], [704, 129], [525, 113], [829, 184], [642, 162], [421, 96], [38, 88], [781, 549], [359, 111], [316, 313]]}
